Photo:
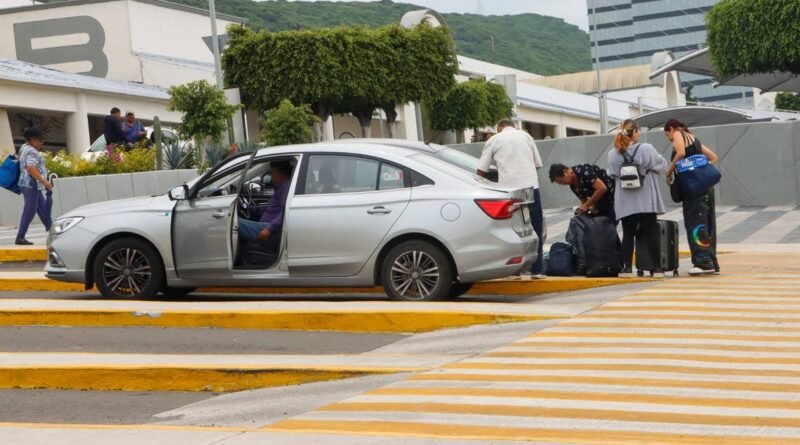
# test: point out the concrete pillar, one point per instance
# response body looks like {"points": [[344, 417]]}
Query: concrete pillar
{"points": [[327, 130], [6, 138], [561, 131], [78, 137], [408, 114]]}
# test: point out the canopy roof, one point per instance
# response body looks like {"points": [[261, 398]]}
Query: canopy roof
{"points": [[698, 116], [699, 62]]}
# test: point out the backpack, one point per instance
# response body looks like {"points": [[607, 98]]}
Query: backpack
{"points": [[629, 176], [9, 174], [561, 260]]}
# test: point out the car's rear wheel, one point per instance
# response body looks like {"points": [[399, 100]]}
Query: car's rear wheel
{"points": [[459, 289], [417, 271], [128, 268]]}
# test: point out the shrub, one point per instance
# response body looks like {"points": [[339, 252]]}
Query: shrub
{"points": [[288, 124]]}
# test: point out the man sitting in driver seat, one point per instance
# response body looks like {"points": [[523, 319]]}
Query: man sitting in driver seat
{"points": [[271, 221]]}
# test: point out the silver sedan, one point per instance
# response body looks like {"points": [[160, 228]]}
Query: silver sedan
{"points": [[356, 215]]}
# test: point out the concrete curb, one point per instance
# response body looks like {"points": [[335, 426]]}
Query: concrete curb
{"points": [[37, 282], [11, 254], [227, 373]]}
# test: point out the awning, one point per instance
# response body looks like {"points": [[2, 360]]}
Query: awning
{"points": [[697, 116], [699, 62]]}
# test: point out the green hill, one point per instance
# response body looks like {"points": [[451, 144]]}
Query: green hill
{"points": [[530, 42]]}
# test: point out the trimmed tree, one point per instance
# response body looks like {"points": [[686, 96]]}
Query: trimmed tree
{"points": [[205, 111], [754, 36], [288, 124], [471, 104], [787, 101]]}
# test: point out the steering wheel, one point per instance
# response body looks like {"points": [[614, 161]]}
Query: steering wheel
{"points": [[244, 206]]}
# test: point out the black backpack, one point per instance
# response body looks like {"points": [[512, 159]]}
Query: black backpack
{"points": [[561, 260]]}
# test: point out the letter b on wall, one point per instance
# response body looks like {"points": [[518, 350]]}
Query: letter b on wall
{"points": [[91, 51]]}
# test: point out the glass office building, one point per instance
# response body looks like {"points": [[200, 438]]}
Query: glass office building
{"points": [[628, 32]]}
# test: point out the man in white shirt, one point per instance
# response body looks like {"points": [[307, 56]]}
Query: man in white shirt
{"points": [[516, 157]]}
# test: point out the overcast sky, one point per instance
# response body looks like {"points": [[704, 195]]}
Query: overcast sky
{"points": [[572, 11]]}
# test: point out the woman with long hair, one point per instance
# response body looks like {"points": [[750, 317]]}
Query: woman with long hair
{"points": [[637, 203], [699, 212]]}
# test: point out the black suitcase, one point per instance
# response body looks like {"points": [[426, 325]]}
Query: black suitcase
{"points": [[668, 257]]}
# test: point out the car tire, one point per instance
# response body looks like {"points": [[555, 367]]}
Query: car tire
{"points": [[178, 291], [459, 289], [417, 271], [128, 268]]}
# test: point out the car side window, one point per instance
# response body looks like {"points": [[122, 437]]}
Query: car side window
{"points": [[418, 179], [391, 177], [223, 182], [341, 174]]}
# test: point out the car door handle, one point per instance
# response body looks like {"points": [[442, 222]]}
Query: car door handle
{"points": [[379, 211], [218, 214]]}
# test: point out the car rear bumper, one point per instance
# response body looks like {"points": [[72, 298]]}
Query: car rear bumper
{"points": [[493, 263]]}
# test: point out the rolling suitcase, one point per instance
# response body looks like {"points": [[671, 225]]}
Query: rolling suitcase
{"points": [[668, 257]]}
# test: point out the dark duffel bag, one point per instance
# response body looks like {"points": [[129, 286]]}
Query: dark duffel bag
{"points": [[602, 246], [561, 262]]}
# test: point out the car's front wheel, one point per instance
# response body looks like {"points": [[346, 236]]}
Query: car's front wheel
{"points": [[128, 268], [417, 271]]}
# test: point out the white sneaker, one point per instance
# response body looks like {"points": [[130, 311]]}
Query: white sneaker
{"points": [[695, 271]]}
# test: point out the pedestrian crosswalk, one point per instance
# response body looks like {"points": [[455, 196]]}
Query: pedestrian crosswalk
{"points": [[713, 360]]}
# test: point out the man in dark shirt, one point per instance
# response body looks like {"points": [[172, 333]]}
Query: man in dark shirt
{"points": [[271, 222], [112, 130], [590, 183]]}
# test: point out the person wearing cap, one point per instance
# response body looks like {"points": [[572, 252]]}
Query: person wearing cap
{"points": [[134, 130], [36, 189]]}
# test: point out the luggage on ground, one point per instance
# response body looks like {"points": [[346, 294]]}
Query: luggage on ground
{"points": [[597, 246], [561, 260], [602, 246], [667, 258], [9, 174]]}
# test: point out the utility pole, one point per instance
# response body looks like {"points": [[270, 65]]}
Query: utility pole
{"points": [[494, 52], [212, 12], [600, 95]]}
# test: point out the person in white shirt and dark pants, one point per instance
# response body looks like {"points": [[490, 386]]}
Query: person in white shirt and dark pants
{"points": [[516, 157]]}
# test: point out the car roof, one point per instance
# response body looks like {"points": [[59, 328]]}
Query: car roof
{"points": [[399, 143], [372, 146]]}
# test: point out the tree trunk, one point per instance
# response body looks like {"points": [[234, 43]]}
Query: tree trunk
{"points": [[459, 136], [391, 119], [365, 119]]}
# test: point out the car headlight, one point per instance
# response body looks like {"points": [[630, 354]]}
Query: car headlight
{"points": [[64, 224]]}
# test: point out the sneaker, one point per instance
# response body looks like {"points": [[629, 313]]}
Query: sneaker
{"points": [[695, 271], [538, 276], [624, 274], [23, 242]]}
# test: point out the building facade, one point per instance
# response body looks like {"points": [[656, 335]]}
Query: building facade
{"points": [[629, 32]]}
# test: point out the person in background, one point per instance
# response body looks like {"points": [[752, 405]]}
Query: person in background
{"points": [[112, 130], [134, 130], [516, 156], [699, 211], [36, 189], [591, 184], [271, 220], [637, 208]]}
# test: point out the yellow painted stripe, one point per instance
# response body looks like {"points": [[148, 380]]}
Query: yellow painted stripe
{"points": [[566, 413], [16, 255], [706, 300], [632, 345], [593, 396], [646, 355], [619, 381], [577, 323], [753, 338], [719, 292], [627, 367], [371, 321], [164, 378], [489, 433]]}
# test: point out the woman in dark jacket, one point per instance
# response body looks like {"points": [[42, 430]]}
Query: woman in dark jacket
{"points": [[699, 213]]}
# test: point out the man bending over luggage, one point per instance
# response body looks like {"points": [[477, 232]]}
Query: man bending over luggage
{"points": [[591, 184], [271, 222]]}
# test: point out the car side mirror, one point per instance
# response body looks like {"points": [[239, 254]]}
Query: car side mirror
{"points": [[179, 193], [254, 188]]}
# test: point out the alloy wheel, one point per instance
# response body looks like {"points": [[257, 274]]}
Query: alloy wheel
{"points": [[415, 275], [126, 271]]}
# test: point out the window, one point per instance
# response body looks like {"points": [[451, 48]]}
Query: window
{"points": [[391, 178], [351, 174], [418, 179], [224, 181], [99, 145]]}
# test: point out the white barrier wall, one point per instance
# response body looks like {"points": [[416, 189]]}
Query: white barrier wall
{"points": [[71, 193]]}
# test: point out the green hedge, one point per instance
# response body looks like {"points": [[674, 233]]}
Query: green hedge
{"points": [[754, 36]]}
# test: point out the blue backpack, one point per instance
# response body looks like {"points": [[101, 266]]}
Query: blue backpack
{"points": [[561, 260], [9, 174]]}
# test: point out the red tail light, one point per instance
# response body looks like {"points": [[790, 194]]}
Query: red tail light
{"points": [[497, 208]]}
